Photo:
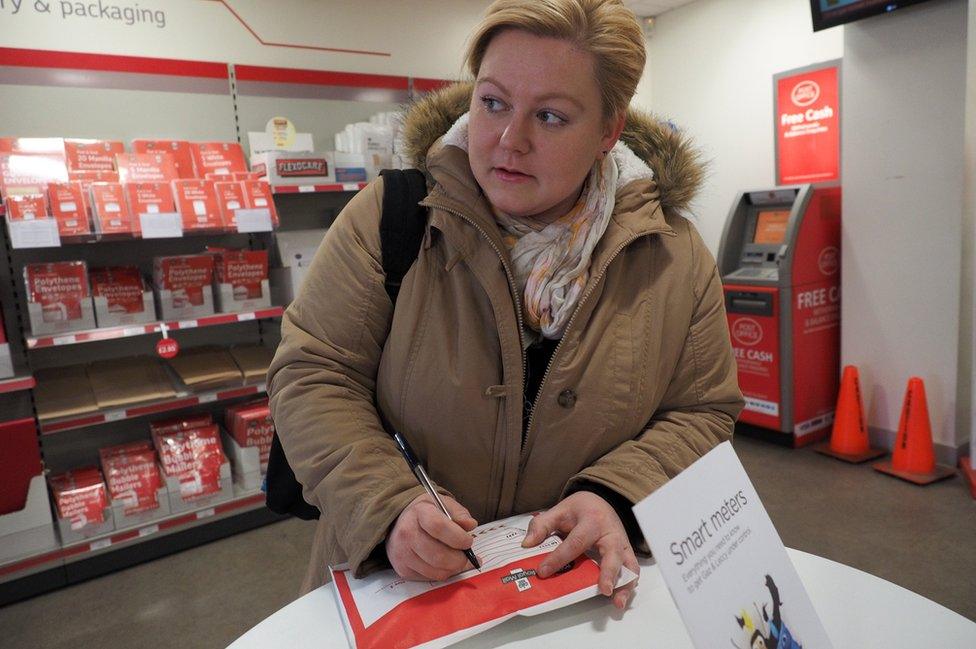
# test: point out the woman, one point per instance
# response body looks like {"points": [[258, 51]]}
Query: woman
{"points": [[560, 343]]}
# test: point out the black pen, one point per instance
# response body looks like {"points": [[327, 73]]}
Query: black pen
{"points": [[418, 471]]}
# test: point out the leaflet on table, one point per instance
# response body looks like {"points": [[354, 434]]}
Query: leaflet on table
{"points": [[384, 610], [723, 561]]}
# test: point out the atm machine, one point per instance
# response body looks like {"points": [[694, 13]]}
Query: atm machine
{"points": [[780, 264]]}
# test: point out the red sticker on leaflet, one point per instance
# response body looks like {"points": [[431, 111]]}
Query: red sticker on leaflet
{"points": [[168, 348]]}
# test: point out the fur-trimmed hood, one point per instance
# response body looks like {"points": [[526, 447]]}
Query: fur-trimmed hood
{"points": [[677, 165]]}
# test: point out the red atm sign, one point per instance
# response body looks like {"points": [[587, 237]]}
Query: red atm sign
{"points": [[807, 125]]}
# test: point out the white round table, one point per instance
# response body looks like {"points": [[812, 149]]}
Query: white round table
{"points": [[857, 609]]}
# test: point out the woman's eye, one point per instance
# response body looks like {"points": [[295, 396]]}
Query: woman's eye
{"points": [[491, 104], [550, 118]]}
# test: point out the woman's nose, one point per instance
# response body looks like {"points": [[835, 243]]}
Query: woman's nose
{"points": [[515, 137]]}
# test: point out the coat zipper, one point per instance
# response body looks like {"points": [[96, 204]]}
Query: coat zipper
{"points": [[569, 325]]}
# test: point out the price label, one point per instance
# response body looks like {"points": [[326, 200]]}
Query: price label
{"points": [[133, 331], [162, 225], [350, 187], [306, 189], [64, 340], [205, 513], [253, 220], [186, 324], [100, 544], [147, 530], [38, 233], [115, 415], [244, 317], [168, 348], [207, 398]]}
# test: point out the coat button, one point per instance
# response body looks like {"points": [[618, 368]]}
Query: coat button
{"points": [[567, 398]]}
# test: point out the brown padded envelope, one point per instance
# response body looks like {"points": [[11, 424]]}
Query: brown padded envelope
{"points": [[206, 367], [253, 361], [63, 392], [125, 381]]}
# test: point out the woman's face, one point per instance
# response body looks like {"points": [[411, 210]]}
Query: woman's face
{"points": [[536, 124]]}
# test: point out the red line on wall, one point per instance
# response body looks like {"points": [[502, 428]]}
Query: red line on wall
{"points": [[110, 63], [299, 47], [426, 85], [319, 77]]}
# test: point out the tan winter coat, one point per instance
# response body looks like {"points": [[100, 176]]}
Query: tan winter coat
{"points": [[642, 384]]}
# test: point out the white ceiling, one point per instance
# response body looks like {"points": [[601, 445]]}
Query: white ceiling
{"points": [[654, 7]]}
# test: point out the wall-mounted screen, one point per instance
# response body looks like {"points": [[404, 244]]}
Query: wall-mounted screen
{"points": [[830, 13]]}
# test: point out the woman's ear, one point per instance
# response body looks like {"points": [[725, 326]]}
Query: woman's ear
{"points": [[611, 132]]}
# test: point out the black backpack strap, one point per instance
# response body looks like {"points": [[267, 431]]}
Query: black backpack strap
{"points": [[402, 224], [402, 227]]}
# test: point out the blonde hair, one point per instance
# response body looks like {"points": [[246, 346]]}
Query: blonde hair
{"points": [[606, 29]]}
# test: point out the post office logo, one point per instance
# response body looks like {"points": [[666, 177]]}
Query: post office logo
{"points": [[747, 331], [829, 260], [805, 93]]}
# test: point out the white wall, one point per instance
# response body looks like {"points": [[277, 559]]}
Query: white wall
{"points": [[967, 385], [711, 65], [904, 84], [423, 38]]}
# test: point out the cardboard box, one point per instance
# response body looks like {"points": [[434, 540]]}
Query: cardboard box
{"points": [[19, 462], [58, 297], [206, 367], [178, 149], [230, 198], [245, 464], [132, 476], [253, 361], [26, 207], [146, 167], [92, 155], [110, 212], [148, 198], [294, 167], [250, 425], [184, 286], [69, 206], [125, 381], [350, 167], [63, 392], [29, 531], [194, 457], [121, 297], [245, 175], [29, 173], [257, 194], [222, 158], [295, 250], [80, 496], [241, 280], [196, 202]]}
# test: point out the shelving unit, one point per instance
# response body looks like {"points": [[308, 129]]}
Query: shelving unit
{"points": [[192, 101]]}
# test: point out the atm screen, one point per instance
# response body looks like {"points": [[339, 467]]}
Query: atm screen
{"points": [[771, 226]]}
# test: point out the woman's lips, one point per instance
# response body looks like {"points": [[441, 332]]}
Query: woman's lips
{"points": [[510, 176]]}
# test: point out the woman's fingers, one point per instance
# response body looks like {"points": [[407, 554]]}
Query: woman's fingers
{"points": [[580, 539], [610, 562], [433, 521]]}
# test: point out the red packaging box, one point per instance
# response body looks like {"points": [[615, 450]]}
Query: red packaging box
{"points": [[230, 197], [109, 209], [179, 424], [148, 198], [60, 288], [193, 457], [92, 155], [246, 175], [196, 201], [179, 149], [243, 270], [122, 287], [69, 207], [20, 461], [188, 280], [26, 208], [30, 173], [257, 193], [250, 425], [132, 475], [223, 158], [80, 496], [146, 167]]}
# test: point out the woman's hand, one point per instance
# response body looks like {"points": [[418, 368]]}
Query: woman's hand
{"points": [[425, 545], [586, 521]]}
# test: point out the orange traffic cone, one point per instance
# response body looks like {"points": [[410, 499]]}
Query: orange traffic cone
{"points": [[913, 458], [849, 437]]}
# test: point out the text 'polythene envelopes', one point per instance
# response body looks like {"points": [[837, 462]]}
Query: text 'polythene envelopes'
{"points": [[723, 561]]}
